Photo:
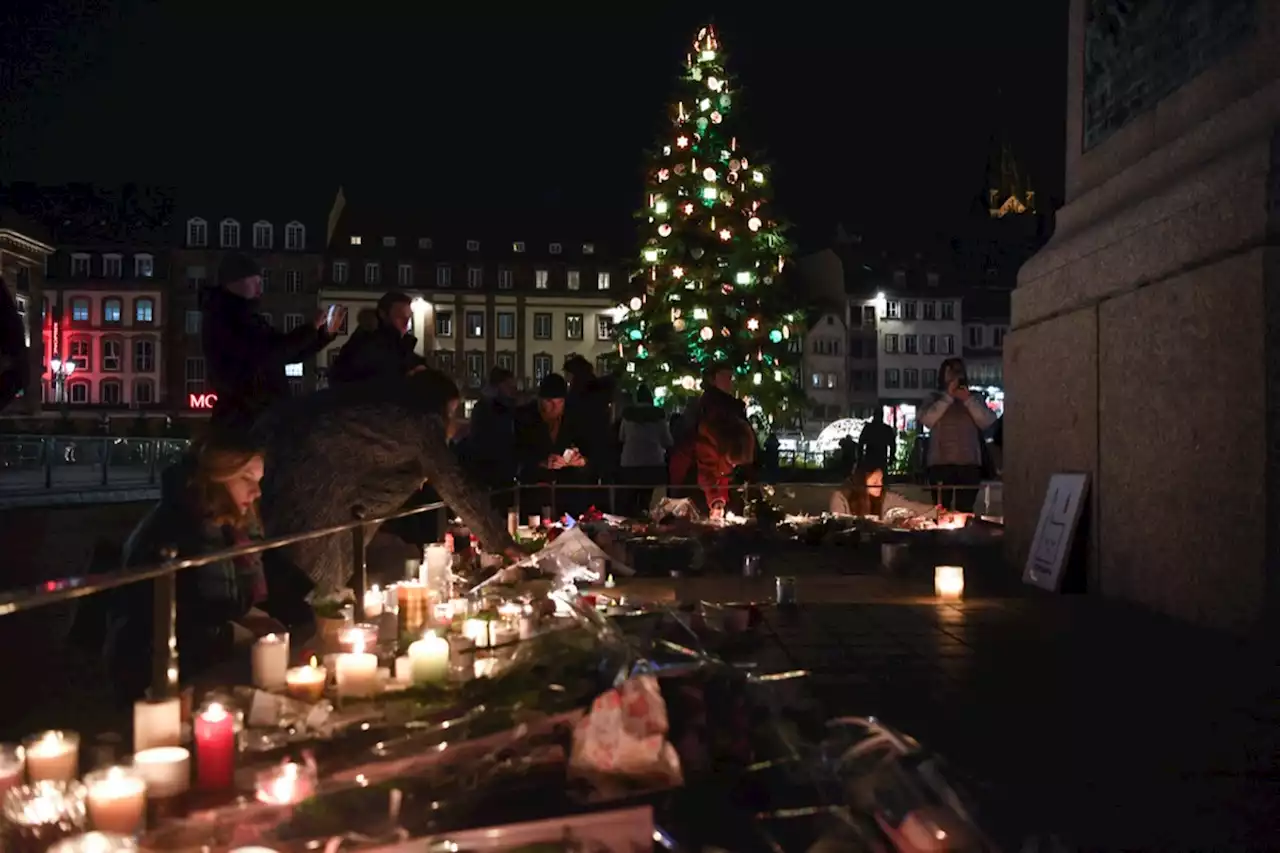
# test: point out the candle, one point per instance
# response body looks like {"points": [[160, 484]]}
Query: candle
{"points": [[117, 799], [165, 769], [948, 582], [364, 635], [436, 567], [41, 814], [157, 723], [478, 631], [373, 602], [513, 522], [13, 763], [306, 682], [412, 605], [270, 661], [215, 730], [535, 522], [429, 659], [528, 624], [403, 672], [53, 756], [356, 673], [285, 785], [95, 842], [510, 612]]}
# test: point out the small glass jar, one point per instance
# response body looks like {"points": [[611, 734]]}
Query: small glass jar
{"points": [[41, 814]]}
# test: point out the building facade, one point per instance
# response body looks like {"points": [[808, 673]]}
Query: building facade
{"points": [[824, 369], [23, 250], [986, 322]]}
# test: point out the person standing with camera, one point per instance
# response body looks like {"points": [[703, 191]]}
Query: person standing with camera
{"points": [[956, 419]]}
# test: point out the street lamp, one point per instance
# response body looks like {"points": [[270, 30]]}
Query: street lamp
{"points": [[61, 371]]}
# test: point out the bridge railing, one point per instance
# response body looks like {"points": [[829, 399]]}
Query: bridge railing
{"points": [[33, 463]]}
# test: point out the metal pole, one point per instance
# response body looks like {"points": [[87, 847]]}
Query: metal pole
{"points": [[361, 565], [164, 655], [50, 446], [106, 458], [154, 444]]}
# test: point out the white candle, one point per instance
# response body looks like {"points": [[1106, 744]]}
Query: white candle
{"points": [[404, 670], [270, 661], [535, 522], [373, 602], [356, 672], [53, 756], [165, 769], [157, 723], [513, 522], [436, 566], [117, 799], [478, 631], [948, 582], [429, 659]]}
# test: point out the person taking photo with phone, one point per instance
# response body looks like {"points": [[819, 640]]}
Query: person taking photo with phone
{"points": [[956, 419]]}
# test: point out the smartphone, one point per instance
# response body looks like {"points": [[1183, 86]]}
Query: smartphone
{"points": [[333, 310], [568, 454]]}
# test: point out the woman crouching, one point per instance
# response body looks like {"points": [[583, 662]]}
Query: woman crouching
{"points": [[864, 494]]}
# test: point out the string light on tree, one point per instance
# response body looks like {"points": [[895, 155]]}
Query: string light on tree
{"points": [[713, 252]]}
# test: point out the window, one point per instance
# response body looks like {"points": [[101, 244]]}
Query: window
{"points": [[263, 235], [356, 240], [574, 279], [929, 344], [909, 309], [910, 344], [505, 279], [79, 392], [833, 380], [80, 310], [389, 242], [144, 355], [948, 344], [542, 327], [816, 380], [197, 233], [229, 234], [910, 378], [194, 375], [604, 327], [144, 266], [111, 310], [517, 246], [540, 279], [475, 277], [144, 392], [541, 366], [931, 279], [899, 278], [265, 278], [588, 248], [506, 360], [890, 343], [946, 310], [296, 388], [144, 311], [112, 266], [868, 315], [372, 272], [892, 378], [929, 378], [444, 362], [602, 281], [604, 364], [293, 321], [506, 325], [295, 237], [293, 282], [475, 324], [928, 311], [78, 353], [424, 242], [339, 272], [111, 352], [555, 248], [267, 318], [196, 277], [444, 324], [296, 369], [404, 275], [80, 265], [997, 336], [192, 322], [573, 327], [475, 369], [893, 309], [444, 275], [976, 336], [473, 245]]}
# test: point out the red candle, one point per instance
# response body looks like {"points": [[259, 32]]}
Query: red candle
{"points": [[215, 732]]}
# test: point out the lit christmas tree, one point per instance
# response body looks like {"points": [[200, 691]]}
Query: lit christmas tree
{"points": [[711, 258]]}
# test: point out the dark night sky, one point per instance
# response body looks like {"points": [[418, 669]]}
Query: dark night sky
{"points": [[878, 116]]}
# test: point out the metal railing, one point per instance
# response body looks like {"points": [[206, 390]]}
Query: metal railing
{"points": [[38, 463]]}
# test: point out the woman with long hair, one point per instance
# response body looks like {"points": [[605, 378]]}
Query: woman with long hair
{"points": [[864, 494], [703, 463]]}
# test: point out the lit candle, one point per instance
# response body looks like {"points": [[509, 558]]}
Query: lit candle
{"points": [[41, 814], [270, 661], [117, 799], [436, 567], [13, 763], [429, 659], [165, 769], [157, 723], [285, 785], [356, 673], [478, 631], [513, 522], [373, 602], [363, 635], [95, 842], [53, 756], [306, 682], [948, 582], [215, 731]]}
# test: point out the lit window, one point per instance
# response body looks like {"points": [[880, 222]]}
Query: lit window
{"points": [[111, 310], [602, 281], [540, 279], [144, 266], [80, 310], [294, 369], [588, 248], [573, 327], [144, 311], [518, 246], [355, 241], [574, 279]]}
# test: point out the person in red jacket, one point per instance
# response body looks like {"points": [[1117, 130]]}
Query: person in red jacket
{"points": [[703, 463]]}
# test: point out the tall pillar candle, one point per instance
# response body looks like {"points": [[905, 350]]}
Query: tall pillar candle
{"points": [[215, 735], [157, 723], [356, 673], [117, 800], [53, 756], [270, 661], [429, 660]]}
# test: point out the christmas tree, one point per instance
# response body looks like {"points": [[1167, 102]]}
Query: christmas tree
{"points": [[710, 288]]}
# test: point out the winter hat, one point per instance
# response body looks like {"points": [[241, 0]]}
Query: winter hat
{"points": [[237, 267], [552, 387]]}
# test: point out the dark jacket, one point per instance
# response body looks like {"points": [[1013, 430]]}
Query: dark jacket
{"points": [[245, 357], [534, 443], [491, 442], [13, 348], [367, 446], [378, 353], [586, 410]]}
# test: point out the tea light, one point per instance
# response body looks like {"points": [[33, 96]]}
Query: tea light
{"points": [[356, 672], [306, 682], [13, 762], [285, 785], [429, 659], [41, 814], [948, 582], [117, 799], [53, 756], [165, 769], [478, 631], [373, 599], [95, 842], [215, 736], [270, 661], [157, 723]]}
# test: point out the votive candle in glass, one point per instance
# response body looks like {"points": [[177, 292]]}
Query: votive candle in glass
{"points": [[117, 799], [165, 769], [306, 682], [364, 635], [373, 602], [356, 673], [157, 723], [42, 813], [510, 612], [411, 601], [270, 661], [948, 582], [479, 631], [13, 763], [53, 756], [215, 736], [286, 784]]}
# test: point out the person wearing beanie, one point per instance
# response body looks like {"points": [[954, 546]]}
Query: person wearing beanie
{"points": [[549, 451], [244, 356]]}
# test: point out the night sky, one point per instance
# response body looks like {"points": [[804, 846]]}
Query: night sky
{"points": [[878, 115]]}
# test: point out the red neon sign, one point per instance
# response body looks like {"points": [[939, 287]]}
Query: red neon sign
{"points": [[201, 401]]}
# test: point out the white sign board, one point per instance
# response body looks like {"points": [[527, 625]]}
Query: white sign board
{"points": [[1056, 530]]}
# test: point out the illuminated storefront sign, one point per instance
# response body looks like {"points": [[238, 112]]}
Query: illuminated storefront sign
{"points": [[201, 401]]}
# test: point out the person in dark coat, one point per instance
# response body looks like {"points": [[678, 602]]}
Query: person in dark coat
{"points": [[877, 444], [491, 442], [365, 448], [244, 356], [550, 451], [13, 348], [588, 407], [717, 398], [384, 351]]}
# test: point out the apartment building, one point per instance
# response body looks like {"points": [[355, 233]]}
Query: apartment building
{"points": [[23, 249], [986, 322], [825, 353]]}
